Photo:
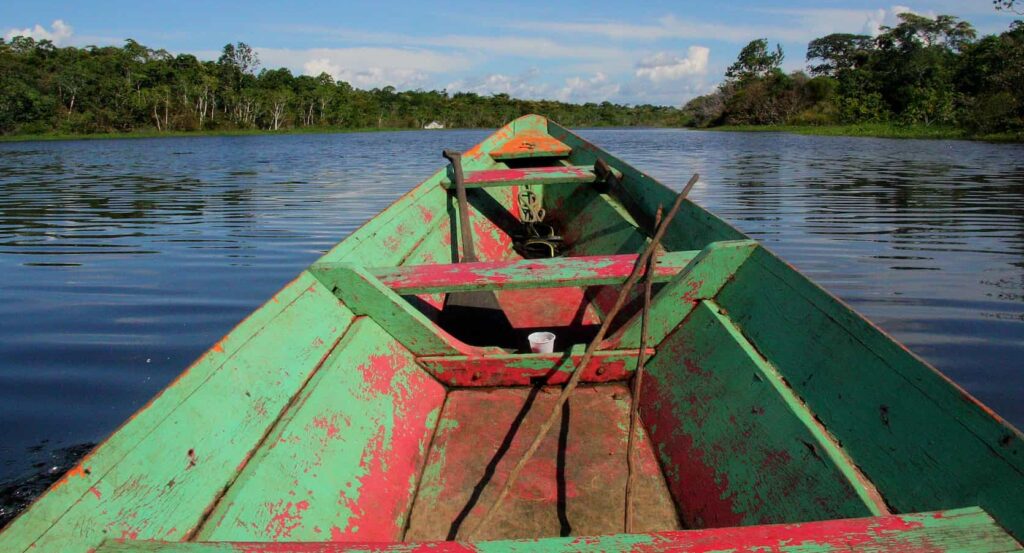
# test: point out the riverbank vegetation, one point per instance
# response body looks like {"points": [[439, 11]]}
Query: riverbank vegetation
{"points": [[52, 92], [925, 77]]}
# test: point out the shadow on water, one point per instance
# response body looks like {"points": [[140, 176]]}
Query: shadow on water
{"points": [[121, 261], [47, 466]]}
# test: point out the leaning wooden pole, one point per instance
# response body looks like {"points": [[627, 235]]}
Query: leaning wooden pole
{"points": [[638, 380], [574, 380]]}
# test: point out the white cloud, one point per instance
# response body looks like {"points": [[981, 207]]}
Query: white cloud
{"points": [[519, 86], [596, 88], [59, 32], [365, 67], [880, 17], [668, 67]]}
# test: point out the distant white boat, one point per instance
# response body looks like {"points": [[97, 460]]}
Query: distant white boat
{"points": [[434, 125]]}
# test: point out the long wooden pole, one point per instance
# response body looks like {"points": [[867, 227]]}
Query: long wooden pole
{"points": [[638, 381], [574, 380]]}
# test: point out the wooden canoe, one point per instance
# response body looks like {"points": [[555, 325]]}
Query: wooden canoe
{"points": [[343, 415]]}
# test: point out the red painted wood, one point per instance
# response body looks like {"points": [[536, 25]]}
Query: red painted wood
{"points": [[523, 370], [546, 273], [969, 529]]}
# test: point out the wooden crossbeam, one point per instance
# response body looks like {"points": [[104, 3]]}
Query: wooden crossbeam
{"points": [[364, 294], [701, 279], [528, 273], [491, 178], [524, 369]]}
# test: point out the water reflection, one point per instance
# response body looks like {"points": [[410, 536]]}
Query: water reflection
{"points": [[121, 261]]}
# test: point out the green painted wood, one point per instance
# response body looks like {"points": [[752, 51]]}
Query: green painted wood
{"points": [[692, 229], [343, 462], [961, 531], [496, 178], [390, 235], [55, 501], [701, 279], [923, 441], [161, 475], [736, 448], [523, 274], [365, 295]]}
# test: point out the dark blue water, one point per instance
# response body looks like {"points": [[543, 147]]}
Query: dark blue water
{"points": [[123, 260]]}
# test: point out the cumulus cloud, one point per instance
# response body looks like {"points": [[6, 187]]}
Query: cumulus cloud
{"points": [[523, 85], [596, 88], [59, 32], [664, 66], [364, 67], [882, 17]]}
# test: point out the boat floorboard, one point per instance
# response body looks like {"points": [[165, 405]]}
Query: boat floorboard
{"points": [[573, 485]]}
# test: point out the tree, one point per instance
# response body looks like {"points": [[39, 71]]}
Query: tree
{"points": [[240, 56], [838, 52], [1007, 5], [755, 60]]}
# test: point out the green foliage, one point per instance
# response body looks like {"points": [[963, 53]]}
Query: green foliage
{"points": [[132, 88], [755, 61], [923, 72]]}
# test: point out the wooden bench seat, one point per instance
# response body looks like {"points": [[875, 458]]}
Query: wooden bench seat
{"points": [[526, 273], [492, 178]]}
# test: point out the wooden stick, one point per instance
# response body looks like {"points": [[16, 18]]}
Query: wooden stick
{"points": [[638, 380], [641, 262]]}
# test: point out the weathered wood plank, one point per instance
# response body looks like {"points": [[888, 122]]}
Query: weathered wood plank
{"points": [[701, 279], [922, 440], [365, 295], [523, 274], [735, 450], [960, 530], [526, 369], [173, 469], [530, 144], [495, 178], [343, 463]]}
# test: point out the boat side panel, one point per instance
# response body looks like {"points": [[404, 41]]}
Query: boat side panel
{"points": [[173, 469], [343, 463], [924, 442], [692, 229], [734, 451]]}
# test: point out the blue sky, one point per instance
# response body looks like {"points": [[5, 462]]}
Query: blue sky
{"points": [[649, 52]]}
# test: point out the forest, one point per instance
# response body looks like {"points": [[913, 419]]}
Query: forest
{"points": [[921, 72], [924, 72], [51, 90]]}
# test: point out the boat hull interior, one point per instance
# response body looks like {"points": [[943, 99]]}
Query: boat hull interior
{"points": [[352, 407]]}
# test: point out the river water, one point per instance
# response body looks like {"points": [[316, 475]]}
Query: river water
{"points": [[123, 260]]}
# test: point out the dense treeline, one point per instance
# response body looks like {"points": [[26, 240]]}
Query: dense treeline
{"points": [[46, 89], [923, 71]]}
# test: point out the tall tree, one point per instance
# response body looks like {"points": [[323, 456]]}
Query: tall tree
{"points": [[755, 60]]}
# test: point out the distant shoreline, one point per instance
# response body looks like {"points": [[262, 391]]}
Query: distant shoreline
{"points": [[149, 133], [867, 130], [876, 130]]}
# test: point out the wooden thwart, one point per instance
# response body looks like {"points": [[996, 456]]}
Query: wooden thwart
{"points": [[522, 274], [490, 178], [525, 369]]}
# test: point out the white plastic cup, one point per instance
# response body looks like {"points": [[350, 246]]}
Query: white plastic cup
{"points": [[542, 342]]}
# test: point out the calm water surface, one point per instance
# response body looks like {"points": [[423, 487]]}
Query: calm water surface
{"points": [[123, 260]]}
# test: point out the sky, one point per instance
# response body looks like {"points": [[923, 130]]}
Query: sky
{"points": [[644, 52]]}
